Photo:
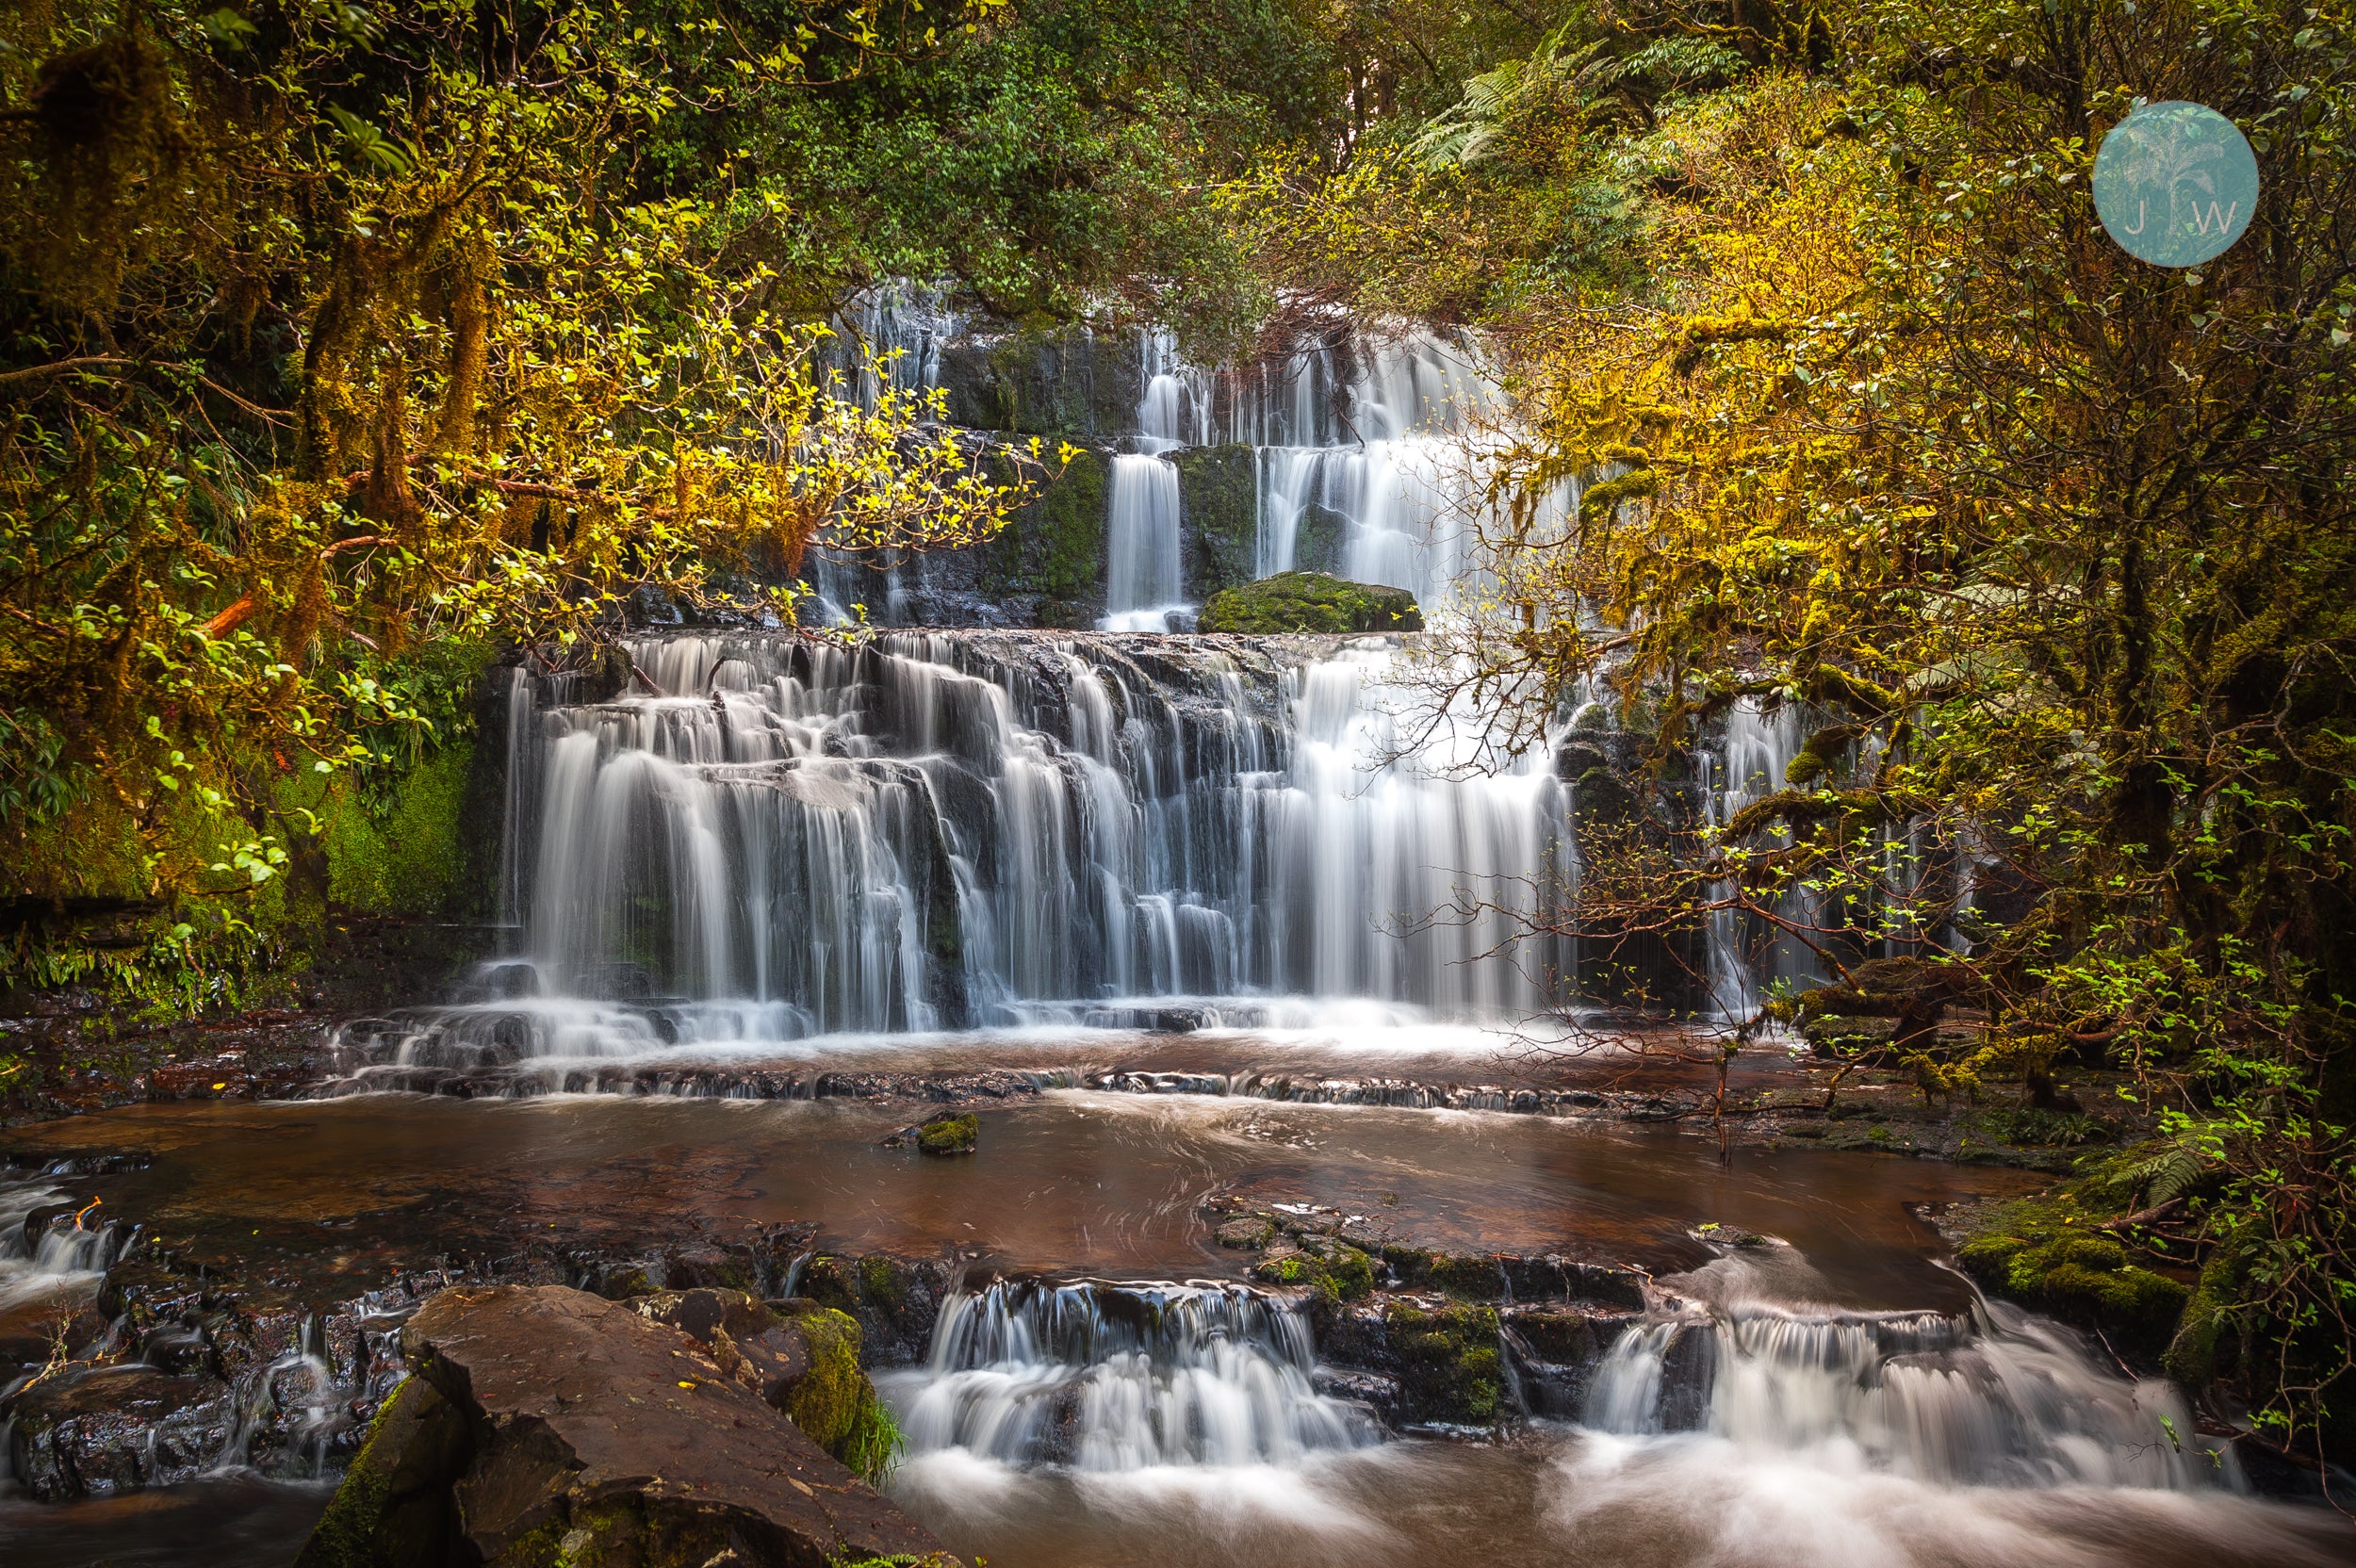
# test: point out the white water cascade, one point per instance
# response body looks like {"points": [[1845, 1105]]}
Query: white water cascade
{"points": [[766, 836], [61, 1261], [1371, 480], [1995, 1397], [1748, 767], [1117, 1378], [1142, 587], [1365, 458]]}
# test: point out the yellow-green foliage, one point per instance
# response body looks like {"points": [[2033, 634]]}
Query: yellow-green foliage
{"points": [[412, 858]]}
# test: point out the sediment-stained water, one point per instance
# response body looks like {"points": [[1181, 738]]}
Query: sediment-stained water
{"points": [[1833, 1397], [1073, 1182]]}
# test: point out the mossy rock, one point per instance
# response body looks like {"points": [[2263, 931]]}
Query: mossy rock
{"points": [[959, 1133], [1447, 1359], [391, 1506], [1469, 1275], [1218, 496], [1053, 545], [1312, 601], [2080, 1278], [834, 1404], [1338, 1272], [1246, 1231]]}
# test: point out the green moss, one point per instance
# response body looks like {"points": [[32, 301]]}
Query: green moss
{"points": [[1448, 1367], [1336, 1271], [1468, 1275], [2191, 1356], [1055, 545], [2044, 1257], [831, 1281], [957, 1134], [411, 859], [835, 1405], [1311, 601], [344, 1536], [1218, 495]]}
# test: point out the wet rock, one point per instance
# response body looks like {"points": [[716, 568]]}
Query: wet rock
{"points": [[394, 1508], [711, 1266], [1554, 1351], [1447, 1363], [548, 1425], [117, 1428], [1218, 500], [895, 1300], [1246, 1231], [1378, 1394]]}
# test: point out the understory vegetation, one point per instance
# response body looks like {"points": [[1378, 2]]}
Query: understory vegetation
{"points": [[348, 352]]}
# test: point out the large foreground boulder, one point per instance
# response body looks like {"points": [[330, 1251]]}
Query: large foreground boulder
{"points": [[544, 1426], [1311, 601]]}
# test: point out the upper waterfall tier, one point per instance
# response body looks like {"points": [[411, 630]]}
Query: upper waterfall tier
{"points": [[782, 835], [1362, 453]]}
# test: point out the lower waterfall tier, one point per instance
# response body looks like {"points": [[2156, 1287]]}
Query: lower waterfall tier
{"points": [[792, 835]]}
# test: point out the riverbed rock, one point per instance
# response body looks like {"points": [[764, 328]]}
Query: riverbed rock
{"points": [[800, 1358], [955, 1133], [546, 1425], [1312, 601], [896, 1300], [116, 1428]]}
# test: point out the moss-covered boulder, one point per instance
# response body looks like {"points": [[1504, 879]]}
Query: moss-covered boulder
{"points": [[2079, 1278], [953, 1132], [896, 1300], [1312, 601]]}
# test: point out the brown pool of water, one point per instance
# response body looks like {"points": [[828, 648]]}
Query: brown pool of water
{"points": [[1075, 1181]]}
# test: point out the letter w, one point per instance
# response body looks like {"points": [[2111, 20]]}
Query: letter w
{"points": [[2224, 224]]}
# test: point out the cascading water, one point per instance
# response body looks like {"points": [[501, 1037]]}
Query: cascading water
{"points": [[1992, 1398], [1142, 587], [1372, 485], [1117, 1378], [61, 1262], [1748, 767], [788, 835]]}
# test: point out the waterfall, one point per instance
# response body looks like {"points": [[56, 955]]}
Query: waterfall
{"points": [[1368, 477], [1142, 589], [1142, 524], [1996, 1397], [1749, 766], [1118, 1378], [772, 836], [1364, 468], [57, 1263]]}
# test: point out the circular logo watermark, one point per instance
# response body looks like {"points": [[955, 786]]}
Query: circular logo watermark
{"points": [[2175, 183]]}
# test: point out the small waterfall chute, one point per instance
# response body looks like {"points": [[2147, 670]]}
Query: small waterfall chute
{"points": [[1108, 1378]]}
